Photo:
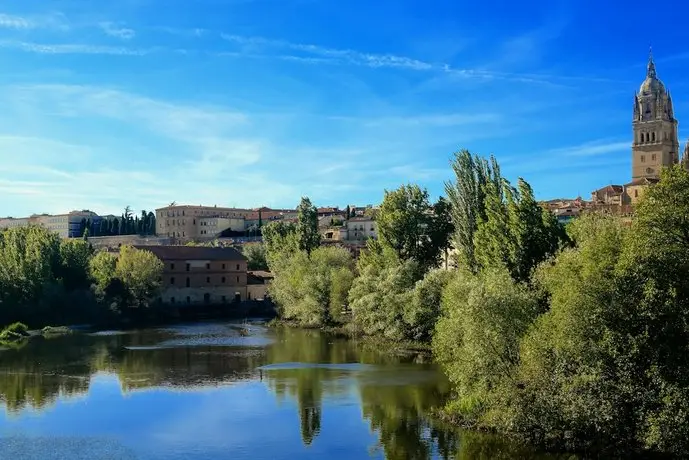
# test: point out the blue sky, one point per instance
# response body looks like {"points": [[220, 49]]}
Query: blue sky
{"points": [[258, 102]]}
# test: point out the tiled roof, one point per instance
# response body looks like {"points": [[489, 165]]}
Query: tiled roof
{"points": [[611, 188], [643, 181], [193, 252]]}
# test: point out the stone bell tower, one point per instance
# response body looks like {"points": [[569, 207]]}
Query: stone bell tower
{"points": [[655, 128]]}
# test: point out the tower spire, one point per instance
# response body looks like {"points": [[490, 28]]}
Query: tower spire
{"points": [[651, 67]]}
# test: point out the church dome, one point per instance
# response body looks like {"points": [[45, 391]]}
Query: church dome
{"points": [[651, 85]]}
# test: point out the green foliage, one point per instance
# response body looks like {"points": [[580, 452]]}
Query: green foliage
{"points": [[312, 289], [422, 313], [74, 257], [477, 340], [256, 255], [467, 200], [410, 225], [516, 232], [308, 236], [140, 271], [280, 240], [379, 294], [102, 270]]}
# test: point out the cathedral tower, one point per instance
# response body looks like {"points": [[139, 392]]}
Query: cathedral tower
{"points": [[655, 128]]}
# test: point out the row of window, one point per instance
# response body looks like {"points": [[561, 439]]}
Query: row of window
{"points": [[212, 213], [207, 298], [208, 280], [651, 137], [643, 158], [208, 266]]}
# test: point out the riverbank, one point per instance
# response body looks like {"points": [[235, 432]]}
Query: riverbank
{"points": [[345, 331]]}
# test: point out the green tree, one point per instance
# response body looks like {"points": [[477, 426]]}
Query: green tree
{"points": [[279, 239], [467, 199], [75, 256], [477, 341], [311, 289], [102, 270], [379, 294], [307, 226], [141, 272], [422, 313], [256, 255]]}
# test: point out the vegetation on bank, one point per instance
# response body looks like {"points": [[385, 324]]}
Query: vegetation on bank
{"points": [[571, 339], [46, 280]]}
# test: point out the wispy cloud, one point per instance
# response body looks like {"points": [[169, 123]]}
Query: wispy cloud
{"points": [[74, 48], [52, 21], [15, 22], [116, 31], [589, 149]]}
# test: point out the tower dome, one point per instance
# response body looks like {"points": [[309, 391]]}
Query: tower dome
{"points": [[651, 85]]}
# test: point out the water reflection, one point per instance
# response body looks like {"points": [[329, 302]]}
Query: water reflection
{"points": [[351, 400]]}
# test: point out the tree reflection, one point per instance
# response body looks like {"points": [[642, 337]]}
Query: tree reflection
{"points": [[307, 367]]}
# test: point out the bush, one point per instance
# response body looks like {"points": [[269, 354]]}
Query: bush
{"points": [[477, 341]]}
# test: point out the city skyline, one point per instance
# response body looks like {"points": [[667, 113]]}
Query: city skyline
{"points": [[258, 102]]}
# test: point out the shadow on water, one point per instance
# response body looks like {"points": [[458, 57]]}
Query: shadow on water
{"points": [[314, 373]]}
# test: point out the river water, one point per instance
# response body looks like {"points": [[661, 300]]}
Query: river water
{"points": [[209, 391]]}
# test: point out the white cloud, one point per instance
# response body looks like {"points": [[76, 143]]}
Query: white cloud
{"points": [[113, 30], [15, 22], [52, 21], [73, 48], [588, 149]]}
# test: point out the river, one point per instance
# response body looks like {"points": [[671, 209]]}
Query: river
{"points": [[209, 391]]}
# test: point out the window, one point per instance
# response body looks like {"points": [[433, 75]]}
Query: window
{"points": [[172, 266], [222, 279], [188, 282], [224, 299], [188, 299], [223, 266], [237, 266], [643, 158], [653, 157], [653, 136], [172, 300], [636, 193], [208, 266], [208, 279], [194, 221], [172, 280], [237, 279], [188, 267]]}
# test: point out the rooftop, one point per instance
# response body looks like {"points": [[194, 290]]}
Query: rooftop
{"points": [[193, 252]]}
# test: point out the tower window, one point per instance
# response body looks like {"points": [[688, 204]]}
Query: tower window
{"points": [[653, 136], [636, 193], [643, 158], [653, 157]]}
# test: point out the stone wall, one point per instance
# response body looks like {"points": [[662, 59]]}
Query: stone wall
{"points": [[102, 242]]}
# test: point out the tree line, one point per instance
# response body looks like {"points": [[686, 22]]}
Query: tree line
{"points": [[47, 280], [570, 338], [127, 224]]}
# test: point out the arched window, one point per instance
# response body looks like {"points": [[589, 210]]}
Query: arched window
{"points": [[653, 136], [647, 137]]}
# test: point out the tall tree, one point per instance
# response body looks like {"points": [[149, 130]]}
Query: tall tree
{"points": [[307, 226], [467, 198], [407, 223]]}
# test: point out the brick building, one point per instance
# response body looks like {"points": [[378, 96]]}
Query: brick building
{"points": [[201, 275]]}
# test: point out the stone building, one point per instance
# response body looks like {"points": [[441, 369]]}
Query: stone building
{"points": [[201, 275], [65, 225], [655, 143]]}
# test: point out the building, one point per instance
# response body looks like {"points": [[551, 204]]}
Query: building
{"points": [[360, 229], [65, 225], [201, 275], [258, 284], [655, 143]]}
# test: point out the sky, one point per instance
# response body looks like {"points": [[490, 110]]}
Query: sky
{"points": [[252, 103]]}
